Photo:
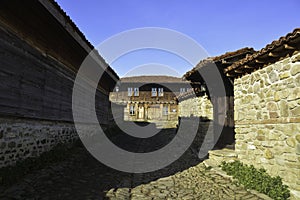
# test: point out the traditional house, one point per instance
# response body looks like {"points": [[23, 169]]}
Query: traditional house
{"points": [[150, 98], [214, 106], [267, 109]]}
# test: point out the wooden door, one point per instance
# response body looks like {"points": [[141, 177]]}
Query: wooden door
{"points": [[141, 112]]}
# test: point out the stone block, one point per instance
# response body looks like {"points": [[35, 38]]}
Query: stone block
{"points": [[2, 145], [284, 109], [295, 69], [294, 94], [297, 80], [283, 94], [298, 138], [298, 149], [272, 106], [269, 93], [291, 157], [273, 115], [285, 67], [256, 87], [267, 144], [268, 154], [296, 111], [295, 165], [292, 104], [291, 142], [284, 75], [274, 135], [11, 144], [273, 76], [239, 137]]}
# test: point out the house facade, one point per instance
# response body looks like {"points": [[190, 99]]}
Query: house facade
{"points": [[150, 98]]}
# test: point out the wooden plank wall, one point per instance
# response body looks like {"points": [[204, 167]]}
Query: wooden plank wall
{"points": [[34, 85]]}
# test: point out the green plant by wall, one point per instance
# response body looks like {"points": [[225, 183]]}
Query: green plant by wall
{"points": [[257, 179]]}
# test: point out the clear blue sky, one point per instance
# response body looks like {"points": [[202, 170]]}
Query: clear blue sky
{"points": [[218, 25]]}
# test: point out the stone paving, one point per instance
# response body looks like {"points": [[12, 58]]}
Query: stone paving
{"points": [[82, 177], [197, 182]]}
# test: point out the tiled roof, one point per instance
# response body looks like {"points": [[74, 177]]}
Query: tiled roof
{"points": [[244, 51], [227, 55], [277, 50], [152, 79]]}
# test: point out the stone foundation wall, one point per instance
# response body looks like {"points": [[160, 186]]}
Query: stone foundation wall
{"points": [[267, 120], [23, 138], [197, 107]]}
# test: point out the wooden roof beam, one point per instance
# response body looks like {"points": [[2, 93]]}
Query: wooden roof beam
{"points": [[249, 67], [238, 71], [287, 46], [272, 54], [259, 61], [230, 75]]}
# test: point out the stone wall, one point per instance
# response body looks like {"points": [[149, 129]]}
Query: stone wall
{"points": [[267, 120], [197, 107], [23, 138]]}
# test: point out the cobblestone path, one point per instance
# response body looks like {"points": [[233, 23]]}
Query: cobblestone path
{"points": [[84, 178], [197, 182]]}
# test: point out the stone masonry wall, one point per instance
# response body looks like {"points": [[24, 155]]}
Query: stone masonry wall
{"points": [[267, 120], [23, 138], [197, 107]]}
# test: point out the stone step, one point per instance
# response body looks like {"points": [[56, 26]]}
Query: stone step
{"points": [[211, 163], [225, 153], [216, 157]]}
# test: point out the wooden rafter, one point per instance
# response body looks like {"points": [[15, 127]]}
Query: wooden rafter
{"points": [[271, 54], [286, 46]]}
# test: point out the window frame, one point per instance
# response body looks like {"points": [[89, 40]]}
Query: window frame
{"points": [[152, 92], [131, 110], [136, 92], [182, 90], [130, 91], [160, 92]]}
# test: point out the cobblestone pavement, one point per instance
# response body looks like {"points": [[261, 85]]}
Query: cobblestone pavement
{"points": [[197, 182], [82, 177]]}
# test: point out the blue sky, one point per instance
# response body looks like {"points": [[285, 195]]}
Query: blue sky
{"points": [[218, 25]]}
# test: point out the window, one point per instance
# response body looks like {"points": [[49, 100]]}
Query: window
{"points": [[165, 110], [129, 92], [117, 88], [136, 92], [182, 90], [131, 110], [153, 92], [160, 92]]}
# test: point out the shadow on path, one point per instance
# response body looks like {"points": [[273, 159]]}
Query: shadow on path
{"points": [[81, 176]]}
